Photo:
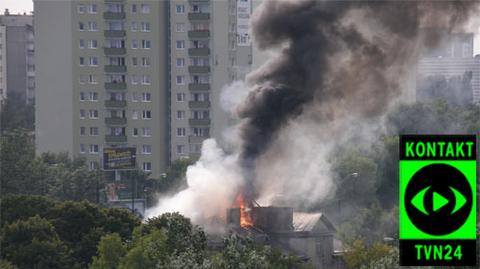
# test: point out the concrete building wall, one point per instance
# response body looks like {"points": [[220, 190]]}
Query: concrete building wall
{"points": [[54, 118], [20, 55], [3, 64], [110, 82]]}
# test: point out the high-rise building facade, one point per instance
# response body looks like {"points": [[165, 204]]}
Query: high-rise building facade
{"points": [[17, 56], [209, 48], [144, 74], [102, 81]]}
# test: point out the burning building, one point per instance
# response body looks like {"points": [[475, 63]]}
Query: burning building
{"points": [[309, 236]]}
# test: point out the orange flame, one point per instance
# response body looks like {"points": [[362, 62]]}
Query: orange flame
{"points": [[245, 218]]}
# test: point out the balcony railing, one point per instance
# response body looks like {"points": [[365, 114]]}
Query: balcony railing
{"points": [[199, 122], [199, 104], [199, 34], [195, 16], [199, 86], [196, 139], [199, 69], [116, 121], [114, 33], [116, 86], [115, 51], [116, 138], [114, 15], [115, 103], [115, 68], [198, 51]]}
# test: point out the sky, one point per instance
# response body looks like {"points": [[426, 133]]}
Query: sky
{"points": [[16, 6]]}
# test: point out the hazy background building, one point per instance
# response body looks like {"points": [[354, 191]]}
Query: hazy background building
{"points": [[17, 74], [452, 63]]}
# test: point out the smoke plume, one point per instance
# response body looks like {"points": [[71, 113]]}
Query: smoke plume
{"points": [[339, 65]]}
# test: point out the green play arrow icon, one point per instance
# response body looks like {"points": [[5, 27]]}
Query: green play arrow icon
{"points": [[418, 201], [438, 201]]}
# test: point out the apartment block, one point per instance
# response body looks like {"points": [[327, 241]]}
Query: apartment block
{"points": [[17, 69], [209, 48], [102, 81]]}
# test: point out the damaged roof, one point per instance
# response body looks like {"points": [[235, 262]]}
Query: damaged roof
{"points": [[306, 222]]}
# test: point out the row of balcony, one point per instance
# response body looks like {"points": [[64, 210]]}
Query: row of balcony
{"points": [[116, 103], [199, 34], [114, 15], [116, 138], [114, 33], [191, 51], [191, 86]]}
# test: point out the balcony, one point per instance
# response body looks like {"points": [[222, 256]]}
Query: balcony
{"points": [[114, 1], [199, 86], [115, 51], [199, 104], [116, 121], [114, 15], [199, 69], [198, 52], [196, 139], [199, 122], [115, 68], [199, 34], [116, 139], [198, 16], [116, 86], [114, 33], [115, 103]]}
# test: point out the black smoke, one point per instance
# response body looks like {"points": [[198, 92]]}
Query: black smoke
{"points": [[328, 59]]}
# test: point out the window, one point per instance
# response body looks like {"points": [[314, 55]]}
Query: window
{"points": [[134, 97], [92, 9], [180, 114], [180, 9], [180, 44], [92, 79], [93, 96], [82, 130], [82, 148], [135, 115], [92, 44], [81, 43], [135, 132], [180, 97], [145, 61], [82, 96], [82, 79], [146, 80], [134, 61], [92, 26], [147, 166], [146, 44], [181, 132], [146, 97], [81, 9], [145, 27], [145, 8], [93, 61], [180, 27], [134, 8], [146, 149], [94, 148], [93, 131], [92, 165], [133, 27], [147, 114], [134, 79], [180, 80], [180, 149], [180, 62], [93, 114], [81, 61], [82, 113], [146, 132], [134, 44]]}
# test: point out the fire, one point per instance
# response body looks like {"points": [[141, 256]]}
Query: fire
{"points": [[245, 218]]}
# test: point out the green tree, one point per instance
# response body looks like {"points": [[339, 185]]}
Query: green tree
{"points": [[148, 252], [15, 113], [33, 243], [22, 207], [110, 251], [360, 254]]}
